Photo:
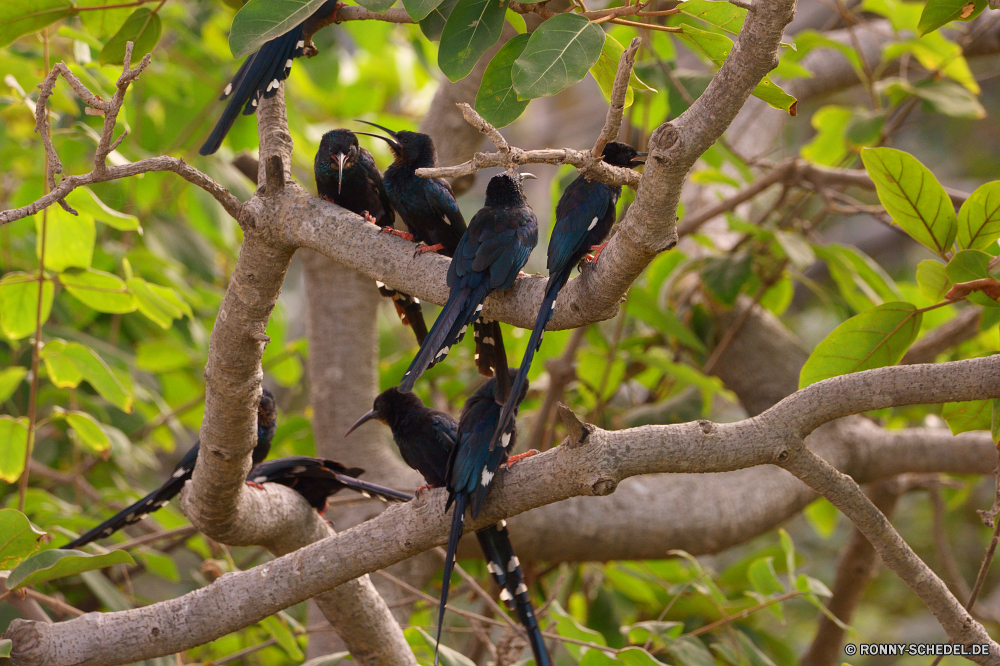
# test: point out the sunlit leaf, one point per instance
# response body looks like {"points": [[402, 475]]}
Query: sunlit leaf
{"points": [[69, 239], [496, 100], [142, 28], [52, 564], [91, 367], [84, 200], [18, 537], [723, 15], [23, 17], [101, 291], [971, 415], [263, 20], [283, 636], [448, 656], [979, 218], [471, 29], [932, 278], [873, 339], [939, 12], [606, 68], [967, 266], [913, 197], [6, 645], [161, 304], [637, 656], [87, 431], [19, 304], [13, 443], [10, 379], [559, 54]]}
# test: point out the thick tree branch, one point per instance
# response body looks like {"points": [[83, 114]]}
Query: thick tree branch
{"points": [[593, 467]]}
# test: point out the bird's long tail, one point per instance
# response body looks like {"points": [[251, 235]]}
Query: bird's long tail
{"points": [[257, 77], [462, 309], [556, 282], [133, 514], [457, 520], [409, 311], [506, 569], [369, 489], [491, 357]]}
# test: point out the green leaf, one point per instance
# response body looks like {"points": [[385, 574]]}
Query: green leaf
{"points": [[828, 147], [969, 265], [937, 54], [496, 100], [971, 415], [822, 516], [161, 355], [725, 276], [69, 239], [606, 68], [85, 201], [559, 54], [88, 431], [932, 278], [723, 15], [283, 636], [948, 98], [449, 657], [19, 304], [938, 12], [263, 20], [763, 576], [159, 564], [6, 645], [419, 9], [637, 656], [471, 29], [873, 339], [22, 17], [158, 303], [789, 549], [913, 197], [101, 291], [13, 445], [716, 47], [568, 627], [89, 366], [979, 218], [433, 25], [689, 651], [860, 280], [642, 304], [516, 21], [10, 379], [142, 28], [995, 421], [18, 537], [810, 585], [52, 564]]}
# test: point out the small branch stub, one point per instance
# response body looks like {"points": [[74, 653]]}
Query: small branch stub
{"points": [[616, 110], [576, 430]]}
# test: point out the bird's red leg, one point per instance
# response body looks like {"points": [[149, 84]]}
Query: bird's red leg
{"points": [[597, 254], [422, 488], [396, 232], [421, 249], [521, 456], [368, 217], [253, 484]]}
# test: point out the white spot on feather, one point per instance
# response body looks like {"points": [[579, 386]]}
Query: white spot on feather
{"points": [[444, 351], [521, 589], [593, 223], [229, 89], [505, 595], [288, 64], [487, 478], [553, 305], [494, 568], [259, 479], [505, 438], [479, 308], [179, 472], [514, 563], [503, 524], [379, 284], [301, 44]]}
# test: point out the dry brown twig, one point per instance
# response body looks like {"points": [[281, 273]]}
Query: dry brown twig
{"points": [[102, 172], [511, 157]]}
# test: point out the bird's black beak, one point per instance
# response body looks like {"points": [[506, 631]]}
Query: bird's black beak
{"points": [[341, 158], [367, 417], [640, 158], [394, 144]]}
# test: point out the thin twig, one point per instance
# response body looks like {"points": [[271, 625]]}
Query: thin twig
{"points": [[616, 108], [185, 531], [53, 603]]}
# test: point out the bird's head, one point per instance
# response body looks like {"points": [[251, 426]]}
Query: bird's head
{"points": [[267, 415], [338, 150], [390, 406], [622, 155], [505, 189], [410, 148]]}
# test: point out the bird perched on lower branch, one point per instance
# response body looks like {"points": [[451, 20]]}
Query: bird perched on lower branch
{"points": [[266, 423], [490, 255], [584, 217], [426, 439], [346, 174], [262, 72], [316, 479]]}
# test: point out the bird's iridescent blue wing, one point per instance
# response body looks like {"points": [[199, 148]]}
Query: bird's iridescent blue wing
{"points": [[580, 208]]}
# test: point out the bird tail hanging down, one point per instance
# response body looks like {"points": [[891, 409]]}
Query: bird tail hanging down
{"points": [[257, 77], [462, 308], [133, 514], [506, 570], [457, 521], [369, 489], [409, 311], [555, 284]]}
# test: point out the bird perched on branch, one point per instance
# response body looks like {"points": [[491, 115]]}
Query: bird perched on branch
{"points": [[316, 479], [427, 205], [489, 257], [266, 424], [262, 72], [426, 439], [584, 216], [346, 174]]}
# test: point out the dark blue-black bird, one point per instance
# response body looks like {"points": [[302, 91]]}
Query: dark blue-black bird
{"points": [[266, 424], [346, 174], [426, 205], [489, 257], [316, 479], [261, 73], [584, 217], [426, 439]]}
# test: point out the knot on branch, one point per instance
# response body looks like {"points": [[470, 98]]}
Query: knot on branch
{"points": [[576, 430]]}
